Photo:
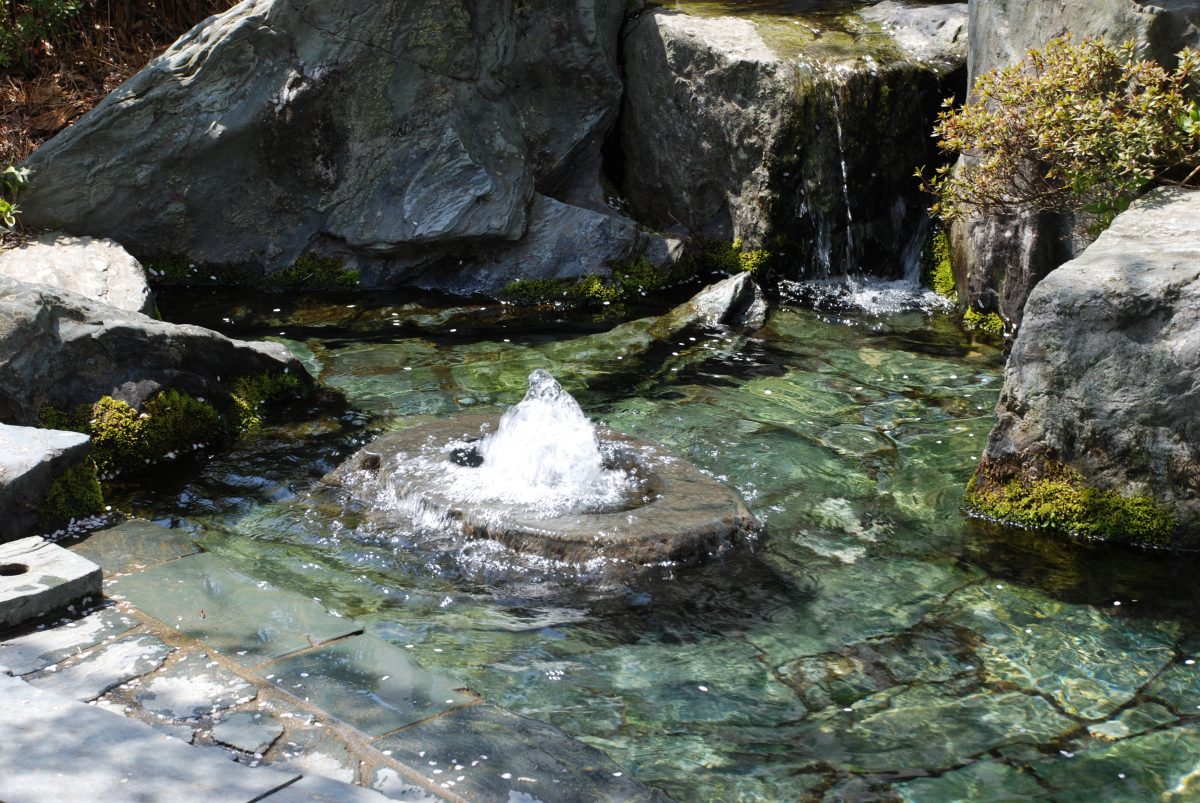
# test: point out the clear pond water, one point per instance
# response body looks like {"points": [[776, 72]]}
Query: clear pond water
{"points": [[873, 644]]}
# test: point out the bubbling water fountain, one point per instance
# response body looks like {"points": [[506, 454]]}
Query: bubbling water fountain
{"points": [[545, 481]]}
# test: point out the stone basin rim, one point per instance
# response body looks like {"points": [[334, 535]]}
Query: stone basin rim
{"points": [[691, 517]]}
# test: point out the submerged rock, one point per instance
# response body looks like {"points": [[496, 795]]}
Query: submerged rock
{"points": [[1098, 431], [98, 269], [60, 349], [399, 138], [771, 131]]}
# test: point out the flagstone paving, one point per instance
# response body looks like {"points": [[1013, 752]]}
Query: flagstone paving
{"points": [[248, 620], [135, 545], [191, 663]]}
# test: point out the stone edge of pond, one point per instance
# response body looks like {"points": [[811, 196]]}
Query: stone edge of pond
{"points": [[138, 753]]}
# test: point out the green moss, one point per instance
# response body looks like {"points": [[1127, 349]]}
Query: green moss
{"points": [[174, 422], [1055, 496], [74, 494], [538, 291], [987, 322], [175, 268], [127, 441], [168, 268], [936, 267], [253, 393], [314, 272], [627, 280]]}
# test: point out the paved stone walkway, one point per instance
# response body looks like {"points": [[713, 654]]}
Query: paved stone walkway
{"points": [[197, 682]]}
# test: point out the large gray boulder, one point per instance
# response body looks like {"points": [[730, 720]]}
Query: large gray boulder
{"points": [[780, 134], [1102, 388], [399, 137], [61, 349], [30, 460], [999, 260], [96, 269]]}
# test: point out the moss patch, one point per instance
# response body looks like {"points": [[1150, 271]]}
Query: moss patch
{"points": [[936, 267], [252, 394], [989, 323], [1049, 495], [170, 425], [312, 272], [73, 495], [637, 278]]}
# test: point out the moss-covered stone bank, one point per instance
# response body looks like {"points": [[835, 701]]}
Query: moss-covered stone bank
{"points": [[1049, 495], [127, 441], [638, 278]]}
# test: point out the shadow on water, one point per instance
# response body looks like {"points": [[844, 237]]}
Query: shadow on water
{"points": [[724, 597], [1147, 584], [782, 7]]}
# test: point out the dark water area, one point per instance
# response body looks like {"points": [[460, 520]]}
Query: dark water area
{"points": [[873, 644]]}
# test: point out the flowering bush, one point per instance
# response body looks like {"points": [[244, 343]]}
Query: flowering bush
{"points": [[1076, 127]]}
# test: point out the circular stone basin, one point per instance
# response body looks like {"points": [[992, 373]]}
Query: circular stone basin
{"points": [[674, 512]]}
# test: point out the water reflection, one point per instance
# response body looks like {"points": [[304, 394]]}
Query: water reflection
{"points": [[874, 642]]}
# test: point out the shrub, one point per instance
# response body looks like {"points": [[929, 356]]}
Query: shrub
{"points": [[12, 181], [25, 26], [1076, 127]]}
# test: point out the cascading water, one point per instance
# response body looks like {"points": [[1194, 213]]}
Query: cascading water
{"points": [[544, 454]]}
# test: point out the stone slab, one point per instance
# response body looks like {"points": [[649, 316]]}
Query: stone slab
{"points": [[315, 789], [106, 668], [247, 620], [97, 269], [250, 732], [319, 751], [396, 787], [486, 753], [368, 683], [49, 578], [192, 687], [40, 649], [30, 459], [134, 545], [53, 744]]}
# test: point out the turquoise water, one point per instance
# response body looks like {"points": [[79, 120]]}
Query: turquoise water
{"points": [[873, 645]]}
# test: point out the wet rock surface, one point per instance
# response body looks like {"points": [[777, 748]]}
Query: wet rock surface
{"points": [[203, 597], [400, 140], [999, 260], [1104, 373], [97, 269], [30, 460], [61, 349], [828, 127]]}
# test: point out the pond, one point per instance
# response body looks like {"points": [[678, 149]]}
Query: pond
{"points": [[874, 642]]}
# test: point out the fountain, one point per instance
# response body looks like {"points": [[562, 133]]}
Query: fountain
{"points": [[544, 480]]}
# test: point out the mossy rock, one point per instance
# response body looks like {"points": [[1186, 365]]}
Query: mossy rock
{"points": [[76, 493], [309, 272], [1046, 494], [937, 271], [313, 272], [988, 323], [171, 424], [636, 278]]}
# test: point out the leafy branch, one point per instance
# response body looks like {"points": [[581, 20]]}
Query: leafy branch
{"points": [[1076, 127]]}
